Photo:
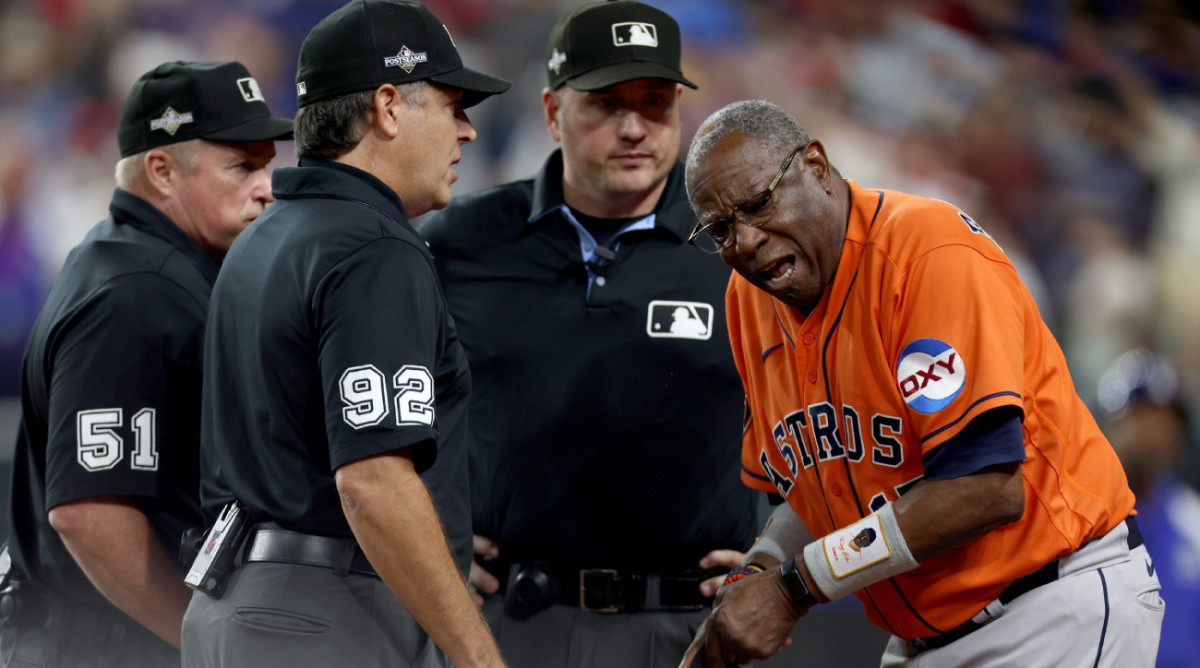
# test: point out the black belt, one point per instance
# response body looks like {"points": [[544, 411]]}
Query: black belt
{"points": [[610, 590], [536, 586], [342, 555], [1022, 585]]}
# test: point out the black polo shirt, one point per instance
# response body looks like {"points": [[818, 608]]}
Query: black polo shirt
{"points": [[606, 416], [110, 393], [329, 341]]}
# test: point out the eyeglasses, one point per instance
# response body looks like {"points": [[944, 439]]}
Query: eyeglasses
{"points": [[717, 236]]}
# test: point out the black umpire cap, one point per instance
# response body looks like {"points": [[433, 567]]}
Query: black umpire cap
{"points": [[368, 43], [179, 101], [602, 44]]}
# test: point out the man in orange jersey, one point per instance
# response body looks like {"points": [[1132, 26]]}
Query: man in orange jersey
{"points": [[906, 398]]}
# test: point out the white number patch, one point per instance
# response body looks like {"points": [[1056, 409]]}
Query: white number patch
{"points": [[100, 448], [414, 401], [365, 394], [145, 452], [364, 391]]}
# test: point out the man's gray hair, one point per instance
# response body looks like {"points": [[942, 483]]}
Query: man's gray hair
{"points": [[763, 122], [130, 172], [330, 128]]}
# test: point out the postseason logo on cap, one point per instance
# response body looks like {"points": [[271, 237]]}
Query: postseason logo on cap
{"points": [[366, 43], [406, 60], [557, 60], [170, 121]]}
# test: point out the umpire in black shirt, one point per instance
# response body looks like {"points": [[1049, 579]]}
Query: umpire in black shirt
{"points": [[606, 400], [335, 387], [105, 467]]}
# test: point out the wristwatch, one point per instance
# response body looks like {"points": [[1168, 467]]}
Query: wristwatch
{"points": [[795, 584]]}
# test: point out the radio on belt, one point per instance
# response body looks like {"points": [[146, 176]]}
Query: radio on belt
{"points": [[214, 563]]}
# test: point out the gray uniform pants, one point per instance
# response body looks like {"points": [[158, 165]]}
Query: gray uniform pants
{"points": [[77, 637], [564, 636], [293, 616], [1104, 610]]}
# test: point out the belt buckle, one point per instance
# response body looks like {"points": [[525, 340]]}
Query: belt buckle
{"points": [[610, 577]]}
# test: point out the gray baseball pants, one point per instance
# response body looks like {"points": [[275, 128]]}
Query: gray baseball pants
{"points": [[276, 615], [1103, 611]]}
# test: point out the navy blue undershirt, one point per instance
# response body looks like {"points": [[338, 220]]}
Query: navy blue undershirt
{"points": [[991, 438]]}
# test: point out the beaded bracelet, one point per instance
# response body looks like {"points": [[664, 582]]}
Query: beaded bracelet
{"points": [[742, 572]]}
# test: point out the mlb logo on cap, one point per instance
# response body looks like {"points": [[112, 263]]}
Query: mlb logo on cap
{"points": [[635, 34], [250, 90]]}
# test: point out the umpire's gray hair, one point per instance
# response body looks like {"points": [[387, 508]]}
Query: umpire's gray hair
{"points": [[130, 172], [328, 129], [760, 121]]}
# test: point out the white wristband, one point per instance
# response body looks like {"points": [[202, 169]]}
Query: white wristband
{"points": [[868, 551]]}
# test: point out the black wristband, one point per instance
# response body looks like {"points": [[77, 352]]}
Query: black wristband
{"points": [[795, 584]]}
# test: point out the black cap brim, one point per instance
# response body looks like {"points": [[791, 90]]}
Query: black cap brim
{"points": [[476, 86], [621, 72], [266, 128]]}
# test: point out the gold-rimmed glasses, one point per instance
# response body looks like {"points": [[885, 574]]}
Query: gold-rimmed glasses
{"points": [[716, 236]]}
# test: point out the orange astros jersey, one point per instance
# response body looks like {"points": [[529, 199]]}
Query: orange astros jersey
{"points": [[925, 327]]}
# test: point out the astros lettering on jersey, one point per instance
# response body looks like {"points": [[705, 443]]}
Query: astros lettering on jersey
{"points": [[925, 326]]}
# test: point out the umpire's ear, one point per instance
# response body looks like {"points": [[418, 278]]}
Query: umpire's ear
{"points": [[390, 107], [162, 171], [551, 106]]}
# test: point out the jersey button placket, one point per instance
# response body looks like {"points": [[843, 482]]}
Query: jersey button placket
{"points": [[808, 339]]}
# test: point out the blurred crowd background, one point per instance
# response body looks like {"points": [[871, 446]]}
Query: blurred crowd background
{"points": [[1069, 130]]}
